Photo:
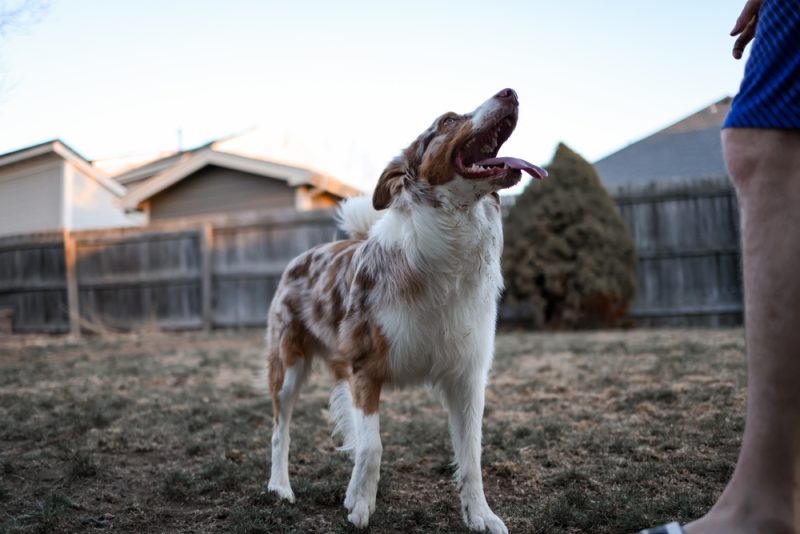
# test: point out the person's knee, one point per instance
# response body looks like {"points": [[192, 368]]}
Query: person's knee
{"points": [[742, 153], [771, 157]]}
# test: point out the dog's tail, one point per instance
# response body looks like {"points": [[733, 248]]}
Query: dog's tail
{"points": [[356, 216], [344, 416]]}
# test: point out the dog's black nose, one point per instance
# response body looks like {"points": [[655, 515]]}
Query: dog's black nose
{"points": [[508, 94]]}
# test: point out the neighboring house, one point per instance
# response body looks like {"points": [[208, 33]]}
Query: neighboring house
{"points": [[683, 154], [207, 181], [50, 186], [672, 188]]}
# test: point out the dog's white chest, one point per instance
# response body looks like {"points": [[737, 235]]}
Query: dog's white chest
{"points": [[450, 325]]}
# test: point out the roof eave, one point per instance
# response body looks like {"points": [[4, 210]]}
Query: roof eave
{"points": [[58, 147]]}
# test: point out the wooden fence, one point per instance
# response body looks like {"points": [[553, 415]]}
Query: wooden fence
{"points": [[192, 274], [688, 271], [223, 272], [33, 282]]}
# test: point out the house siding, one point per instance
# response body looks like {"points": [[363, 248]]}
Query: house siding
{"points": [[217, 190], [31, 196], [92, 205]]}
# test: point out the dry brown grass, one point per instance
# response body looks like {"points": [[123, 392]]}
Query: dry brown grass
{"points": [[587, 432]]}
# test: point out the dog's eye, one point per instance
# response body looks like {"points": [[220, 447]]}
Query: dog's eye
{"points": [[449, 121]]}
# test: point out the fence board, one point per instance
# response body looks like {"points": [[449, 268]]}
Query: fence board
{"points": [[206, 282]]}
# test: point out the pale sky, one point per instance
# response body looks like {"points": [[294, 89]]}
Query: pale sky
{"points": [[347, 85]]}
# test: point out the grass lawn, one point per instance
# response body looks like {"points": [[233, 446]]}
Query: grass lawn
{"points": [[584, 432]]}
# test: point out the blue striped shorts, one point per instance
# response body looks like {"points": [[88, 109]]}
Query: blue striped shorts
{"points": [[769, 96]]}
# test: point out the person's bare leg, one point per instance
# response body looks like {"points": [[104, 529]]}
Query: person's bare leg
{"points": [[764, 492]]}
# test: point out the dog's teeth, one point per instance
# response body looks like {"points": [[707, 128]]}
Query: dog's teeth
{"points": [[486, 149]]}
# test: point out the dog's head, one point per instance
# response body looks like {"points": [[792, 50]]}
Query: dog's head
{"points": [[457, 157]]}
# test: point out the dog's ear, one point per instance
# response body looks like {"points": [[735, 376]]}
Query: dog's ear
{"points": [[390, 183], [402, 169]]}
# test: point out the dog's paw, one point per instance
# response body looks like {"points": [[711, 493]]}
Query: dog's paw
{"points": [[283, 491], [494, 524], [359, 514], [349, 498], [485, 521]]}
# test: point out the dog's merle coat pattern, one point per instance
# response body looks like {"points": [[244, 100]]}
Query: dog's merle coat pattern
{"points": [[410, 299]]}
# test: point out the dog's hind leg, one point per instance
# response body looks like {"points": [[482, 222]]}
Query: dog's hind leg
{"points": [[343, 414], [285, 382]]}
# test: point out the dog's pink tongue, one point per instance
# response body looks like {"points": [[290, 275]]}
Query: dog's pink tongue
{"points": [[516, 163]]}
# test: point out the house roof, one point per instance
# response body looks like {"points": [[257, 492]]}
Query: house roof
{"points": [[121, 164], [153, 166], [168, 171], [58, 147], [683, 152]]}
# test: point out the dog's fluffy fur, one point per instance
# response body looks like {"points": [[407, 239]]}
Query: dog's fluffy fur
{"points": [[411, 298]]}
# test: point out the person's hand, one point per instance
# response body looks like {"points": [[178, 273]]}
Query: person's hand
{"points": [[745, 27]]}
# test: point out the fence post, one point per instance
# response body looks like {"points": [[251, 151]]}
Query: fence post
{"points": [[206, 243], [73, 303]]}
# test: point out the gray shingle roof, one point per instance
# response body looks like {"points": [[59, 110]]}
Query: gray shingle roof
{"points": [[682, 153]]}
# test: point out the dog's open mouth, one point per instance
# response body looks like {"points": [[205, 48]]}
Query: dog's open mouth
{"points": [[477, 157]]}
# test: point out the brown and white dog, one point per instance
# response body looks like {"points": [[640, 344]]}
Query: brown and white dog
{"points": [[411, 298]]}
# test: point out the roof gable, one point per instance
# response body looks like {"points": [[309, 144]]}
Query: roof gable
{"points": [[58, 147], [293, 176], [154, 176]]}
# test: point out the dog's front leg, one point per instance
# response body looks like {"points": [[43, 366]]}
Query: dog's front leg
{"points": [[464, 403], [363, 487]]}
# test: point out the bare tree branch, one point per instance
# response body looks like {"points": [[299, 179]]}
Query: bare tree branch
{"points": [[15, 16]]}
